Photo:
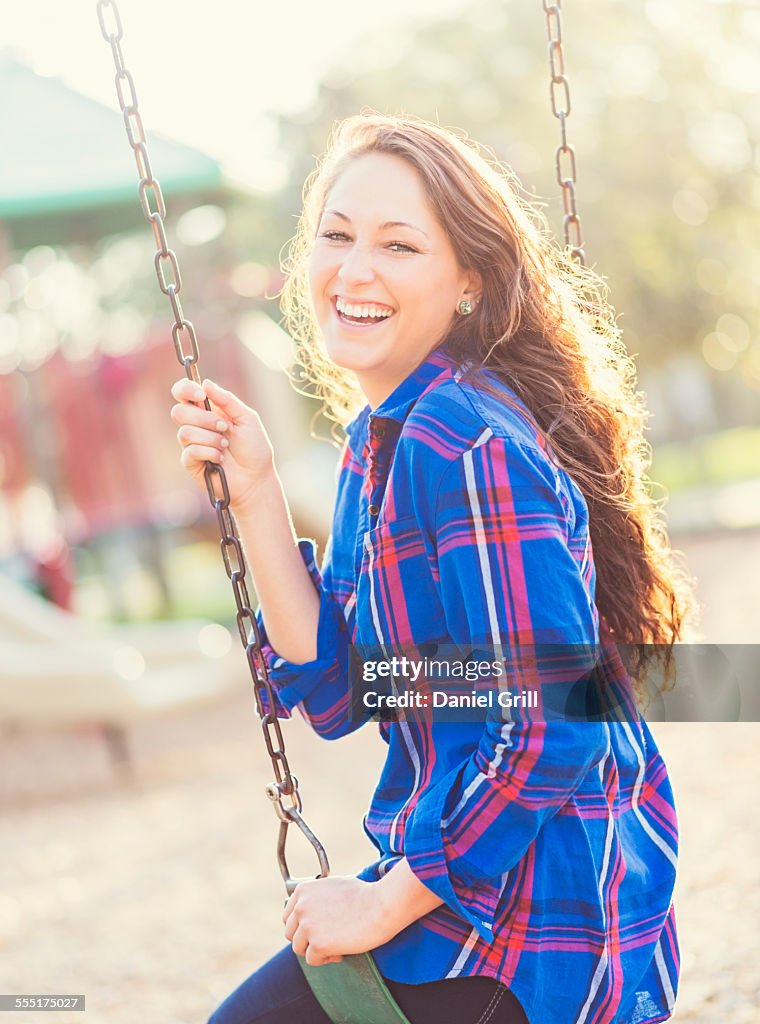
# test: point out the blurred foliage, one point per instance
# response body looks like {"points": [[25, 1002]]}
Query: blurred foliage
{"points": [[726, 457], [665, 123], [666, 128]]}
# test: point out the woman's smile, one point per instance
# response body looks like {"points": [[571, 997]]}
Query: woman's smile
{"points": [[360, 315]]}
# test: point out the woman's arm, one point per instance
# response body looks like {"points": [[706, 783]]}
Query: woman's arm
{"points": [[305, 639], [230, 434], [287, 596], [402, 898], [305, 642]]}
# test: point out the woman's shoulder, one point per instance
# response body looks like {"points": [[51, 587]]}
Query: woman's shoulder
{"points": [[458, 413]]}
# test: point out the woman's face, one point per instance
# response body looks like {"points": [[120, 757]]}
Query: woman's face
{"points": [[385, 281]]}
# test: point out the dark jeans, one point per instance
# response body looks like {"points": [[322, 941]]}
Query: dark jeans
{"points": [[277, 993]]}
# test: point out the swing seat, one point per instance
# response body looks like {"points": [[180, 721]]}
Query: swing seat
{"points": [[353, 991]]}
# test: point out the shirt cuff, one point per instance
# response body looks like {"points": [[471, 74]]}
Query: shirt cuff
{"points": [[425, 852]]}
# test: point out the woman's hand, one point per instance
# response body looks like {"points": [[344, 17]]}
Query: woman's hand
{"points": [[231, 434], [326, 918]]}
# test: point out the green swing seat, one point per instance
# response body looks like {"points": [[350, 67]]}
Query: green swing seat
{"points": [[353, 991]]}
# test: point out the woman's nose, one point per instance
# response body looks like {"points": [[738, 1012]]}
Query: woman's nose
{"points": [[356, 265]]}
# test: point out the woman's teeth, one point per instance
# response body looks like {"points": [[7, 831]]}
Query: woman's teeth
{"points": [[363, 312]]}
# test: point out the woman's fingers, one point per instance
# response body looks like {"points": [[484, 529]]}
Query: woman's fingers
{"points": [[197, 416], [228, 403], [210, 426], [186, 390], [298, 934], [194, 453], [197, 423], [291, 928], [318, 959], [198, 435]]}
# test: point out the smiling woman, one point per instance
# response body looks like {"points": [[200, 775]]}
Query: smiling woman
{"points": [[491, 499], [382, 289]]}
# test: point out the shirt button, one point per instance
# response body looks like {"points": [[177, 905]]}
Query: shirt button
{"points": [[374, 510]]}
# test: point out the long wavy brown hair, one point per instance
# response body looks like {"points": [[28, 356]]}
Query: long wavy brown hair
{"points": [[544, 327]]}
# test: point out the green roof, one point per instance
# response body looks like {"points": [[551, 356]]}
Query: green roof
{"points": [[64, 153]]}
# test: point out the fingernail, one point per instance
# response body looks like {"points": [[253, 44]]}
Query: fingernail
{"points": [[221, 425], [225, 443]]}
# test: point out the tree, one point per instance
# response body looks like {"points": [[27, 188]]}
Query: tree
{"points": [[664, 120]]}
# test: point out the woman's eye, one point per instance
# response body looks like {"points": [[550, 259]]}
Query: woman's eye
{"points": [[341, 236]]}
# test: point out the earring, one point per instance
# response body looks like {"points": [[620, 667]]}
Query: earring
{"points": [[465, 307]]}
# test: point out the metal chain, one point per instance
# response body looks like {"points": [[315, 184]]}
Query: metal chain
{"points": [[559, 90], [186, 348]]}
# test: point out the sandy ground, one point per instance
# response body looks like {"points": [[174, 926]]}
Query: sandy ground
{"points": [[156, 897]]}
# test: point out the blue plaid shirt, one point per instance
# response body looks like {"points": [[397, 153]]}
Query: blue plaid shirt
{"points": [[553, 844]]}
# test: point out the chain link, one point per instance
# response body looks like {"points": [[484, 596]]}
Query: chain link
{"points": [[170, 282], [559, 90]]}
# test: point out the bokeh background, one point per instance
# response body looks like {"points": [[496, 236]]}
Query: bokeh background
{"points": [[138, 848]]}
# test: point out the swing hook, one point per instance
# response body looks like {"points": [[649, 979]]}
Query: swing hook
{"points": [[288, 816]]}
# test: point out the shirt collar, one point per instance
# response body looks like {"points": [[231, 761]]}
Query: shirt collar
{"points": [[397, 406]]}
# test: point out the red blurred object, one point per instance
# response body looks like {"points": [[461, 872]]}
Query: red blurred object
{"points": [[96, 432], [54, 572], [14, 470]]}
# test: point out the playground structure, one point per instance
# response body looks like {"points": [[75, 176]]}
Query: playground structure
{"points": [[60, 670]]}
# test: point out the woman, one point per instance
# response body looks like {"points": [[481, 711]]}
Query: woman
{"points": [[493, 441]]}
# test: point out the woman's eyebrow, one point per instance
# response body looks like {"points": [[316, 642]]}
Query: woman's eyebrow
{"points": [[387, 224]]}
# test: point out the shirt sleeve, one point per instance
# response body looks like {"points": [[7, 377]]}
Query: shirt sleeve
{"points": [[319, 688], [512, 590]]}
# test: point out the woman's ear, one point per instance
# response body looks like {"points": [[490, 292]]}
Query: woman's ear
{"points": [[474, 287]]}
